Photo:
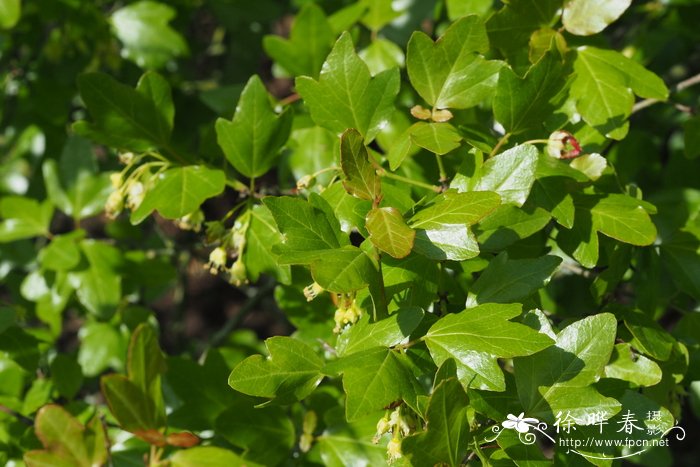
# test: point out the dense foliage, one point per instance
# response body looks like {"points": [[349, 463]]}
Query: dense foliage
{"points": [[466, 209]]}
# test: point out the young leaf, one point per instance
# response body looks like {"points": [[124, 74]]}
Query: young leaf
{"points": [[290, 373], [361, 179], [446, 438], [346, 96], [373, 379], [524, 103], [133, 409], [124, 118], [587, 17], [508, 280], [450, 73], [179, 191], [388, 232], [148, 39], [438, 138], [559, 377], [253, 139], [146, 363], [309, 42], [66, 442], [157, 89], [477, 336]]}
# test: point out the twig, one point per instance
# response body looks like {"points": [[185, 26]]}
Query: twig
{"points": [[501, 142], [247, 307], [26, 420], [685, 84]]}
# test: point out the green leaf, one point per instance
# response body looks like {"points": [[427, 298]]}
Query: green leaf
{"points": [[261, 236], [438, 138], [342, 443], [361, 179], [157, 89], [509, 280], [306, 227], [623, 218], [10, 12], [649, 337], [388, 232], [388, 332], [145, 365], [510, 174], [23, 218], [201, 403], [344, 270], [381, 55], [627, 366], [380, 13], [587, 17], [134, 411], [604, 86], [524, 103], [148, 39], [271, 441], [511, 27], [101, 347], [209, 456], [66, 375], [458, 8], [98, 287], [447, 435], [559, 377], [373, 379], [290, 373], [66, 442], [179, 191], [346, 96], [309, 42], [253, 139], [74, 185], [442, 229], [508, 224], [123, 117], [450, 73], [476, 337], [456, 208]]}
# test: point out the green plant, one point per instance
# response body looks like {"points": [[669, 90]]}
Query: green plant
{"points": [[461, 226]]}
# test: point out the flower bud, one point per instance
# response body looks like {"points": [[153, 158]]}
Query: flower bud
{"points": [[116, 179], [312, 291], [217, 260], [238, 274], [115, 204], [135, 194], [126, 158]]}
